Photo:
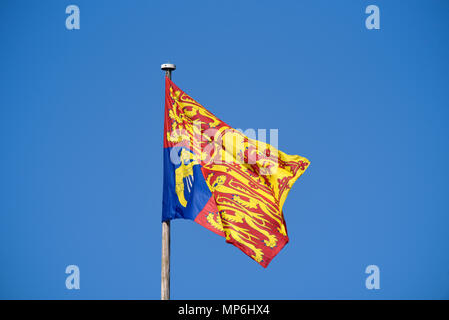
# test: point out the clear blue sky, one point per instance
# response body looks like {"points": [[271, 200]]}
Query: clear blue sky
{"points": [[81, 124]]}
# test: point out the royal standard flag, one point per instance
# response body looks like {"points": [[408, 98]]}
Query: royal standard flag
{"points": [[225, 181]]}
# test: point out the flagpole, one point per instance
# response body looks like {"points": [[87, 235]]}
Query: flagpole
{"points": [[165, 260]]}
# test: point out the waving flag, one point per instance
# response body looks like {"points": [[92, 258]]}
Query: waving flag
{"points": [[215, 175]]}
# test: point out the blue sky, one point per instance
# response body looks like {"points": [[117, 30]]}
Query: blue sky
{"points": [[81, 120]]}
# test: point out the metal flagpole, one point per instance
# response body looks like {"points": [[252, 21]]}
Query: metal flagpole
{"points": [[165, 263]]}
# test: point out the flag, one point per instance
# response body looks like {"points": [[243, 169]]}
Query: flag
{"points": [[224, 180]]}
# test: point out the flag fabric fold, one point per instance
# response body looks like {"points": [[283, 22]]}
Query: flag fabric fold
{"points": [[225, 181]]}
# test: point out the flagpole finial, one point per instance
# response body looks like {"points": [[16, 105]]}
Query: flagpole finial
{"points": [[168, 67]]}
